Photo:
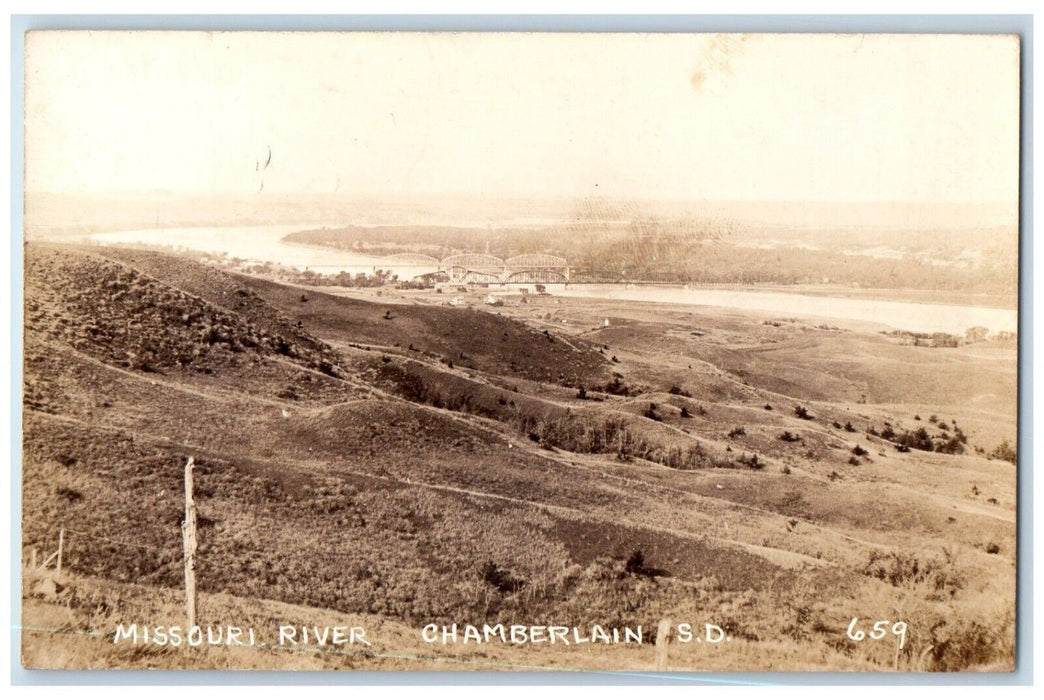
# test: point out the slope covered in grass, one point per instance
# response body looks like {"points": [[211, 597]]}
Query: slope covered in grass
{"points": [[126, 318], [340, 469], [467, 337]]}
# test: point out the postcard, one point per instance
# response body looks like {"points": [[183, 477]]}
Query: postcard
{"points": [[520, 351]]}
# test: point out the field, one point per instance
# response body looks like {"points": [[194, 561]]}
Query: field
{"points": [[394, 462]]}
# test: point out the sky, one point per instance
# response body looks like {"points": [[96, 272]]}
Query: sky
{"points": [[847, 118]]}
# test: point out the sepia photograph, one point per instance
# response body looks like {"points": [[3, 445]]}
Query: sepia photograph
{"points": [[444, 351]]}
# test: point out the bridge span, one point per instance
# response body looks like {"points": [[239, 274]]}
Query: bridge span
{"points": [[482, 268]]}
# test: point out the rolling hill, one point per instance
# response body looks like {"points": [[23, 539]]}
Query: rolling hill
{"points": [[424, 464]]}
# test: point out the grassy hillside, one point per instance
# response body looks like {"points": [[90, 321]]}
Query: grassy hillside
{"points": [[465, 337], [495, 472]]}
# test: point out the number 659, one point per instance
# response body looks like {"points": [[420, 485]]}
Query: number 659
{"points": [[878, 631]]}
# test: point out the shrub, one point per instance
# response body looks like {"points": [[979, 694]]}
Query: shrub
{"points": [[685, 412], [753, 462], [1004, 451], [859, 451], [849, 428], [69, 494], [906, 570], [498, 578], [768, 407], [738, 431], [606, 436], [616, 386], [678, 391], [651, 413], [691, 457], [787, 436], [960, 645], [917, 439], [288, 392], [143, 363], [950, 446], [802, 413]]}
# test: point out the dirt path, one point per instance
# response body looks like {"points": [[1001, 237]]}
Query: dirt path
{"points": [[961, 506], [781, 557], [174, 386]]}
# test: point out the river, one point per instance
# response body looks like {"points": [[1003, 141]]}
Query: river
{"points": [[909, 316], [264, 243]]}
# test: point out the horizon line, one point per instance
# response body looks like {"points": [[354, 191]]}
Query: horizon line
{"points": [[511, 196]]}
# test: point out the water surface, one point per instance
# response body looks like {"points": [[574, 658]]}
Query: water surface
{"points": [[266, 244]]}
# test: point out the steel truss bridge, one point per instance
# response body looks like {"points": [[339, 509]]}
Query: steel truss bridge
{"points": [[531, 268], [480, 268]]}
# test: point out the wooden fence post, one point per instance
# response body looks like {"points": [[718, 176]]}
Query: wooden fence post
{"points": [[32, 559], [663, 640], [61, 543], [188, 531]]}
